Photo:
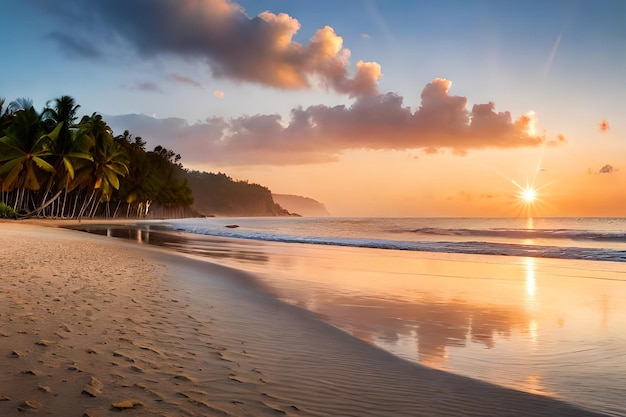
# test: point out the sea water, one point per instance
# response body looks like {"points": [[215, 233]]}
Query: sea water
{"points": [[533, 304], [566, 238]]}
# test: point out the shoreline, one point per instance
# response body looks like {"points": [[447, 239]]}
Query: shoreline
{"points": [[172, 334]]}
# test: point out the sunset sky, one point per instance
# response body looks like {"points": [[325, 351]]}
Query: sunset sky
{"points": [[387, 107]]}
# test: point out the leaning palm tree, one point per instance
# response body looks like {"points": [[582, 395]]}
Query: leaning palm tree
{"points": [[23, 150]]}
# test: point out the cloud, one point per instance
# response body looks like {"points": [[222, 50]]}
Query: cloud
{"points": [[219, 94], [321, 133], [557, 141], [607, 169], [183, 79], [75, 47], [146, 86], [260, 49], [604, 126]]}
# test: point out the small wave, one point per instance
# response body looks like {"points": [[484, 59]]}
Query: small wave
{"points": [[527, 233], [469, 247]]}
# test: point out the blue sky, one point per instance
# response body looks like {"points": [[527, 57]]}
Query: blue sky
{"points": [[564, 60]]}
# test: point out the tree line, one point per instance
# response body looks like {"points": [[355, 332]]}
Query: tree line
{"points": [[53, 164]]}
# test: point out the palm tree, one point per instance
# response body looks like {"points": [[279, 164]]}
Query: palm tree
{"points": [[99, 130], [20, 104], [71, 148], [22, 153], [109, 164], [63, 111], [132, 190], [74, 156], [50, 165], [5, 117]]}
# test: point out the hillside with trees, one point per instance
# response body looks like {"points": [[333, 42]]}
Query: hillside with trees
{"points": [[53, 164], [218, 194], [304, 206]]}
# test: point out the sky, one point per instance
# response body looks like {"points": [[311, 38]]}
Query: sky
{"points": [[373, 107]]}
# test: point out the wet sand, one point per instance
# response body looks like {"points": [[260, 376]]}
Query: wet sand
{"points": [[92, 325]]}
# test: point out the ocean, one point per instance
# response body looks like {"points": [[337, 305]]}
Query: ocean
{"points": [[537, 305]]}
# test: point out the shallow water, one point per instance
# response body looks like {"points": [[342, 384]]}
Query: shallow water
{"points": [[547, 326]]}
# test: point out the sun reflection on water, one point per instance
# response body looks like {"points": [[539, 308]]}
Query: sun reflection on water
{"points": [[534, 384], [533, 330], [531, 291], [531, 284]]}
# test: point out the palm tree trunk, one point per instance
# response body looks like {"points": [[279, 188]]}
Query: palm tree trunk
{"points": [[41, 208], [64, 202], [94, 206], [18, 199], [48, 189], [76, 198], [86, 203], [117, 208]]}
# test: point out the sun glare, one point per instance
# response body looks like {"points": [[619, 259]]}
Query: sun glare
{"points": [[528, 195]]}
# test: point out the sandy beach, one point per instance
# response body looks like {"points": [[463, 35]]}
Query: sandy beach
{"points": [[94, 326]]}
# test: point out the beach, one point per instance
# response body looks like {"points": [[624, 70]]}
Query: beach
{"points": [[92, 325]]}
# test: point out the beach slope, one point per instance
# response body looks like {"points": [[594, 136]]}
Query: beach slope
{"points": [[92, 325]]}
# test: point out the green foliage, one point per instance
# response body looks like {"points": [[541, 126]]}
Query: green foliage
{"points": [[50, 165], [23, 151], [53, 166], [220, 194], [7, 212]]}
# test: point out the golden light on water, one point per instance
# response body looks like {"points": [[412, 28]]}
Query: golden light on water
{"points": [[531, 286]]}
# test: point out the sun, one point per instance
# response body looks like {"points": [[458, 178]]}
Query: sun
{"points": [[528, 195]]}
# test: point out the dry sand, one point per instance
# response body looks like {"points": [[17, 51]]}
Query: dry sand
{"points": [[92, 326]]}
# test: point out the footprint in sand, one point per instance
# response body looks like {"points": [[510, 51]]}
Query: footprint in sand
{"points": [[44, 342], [126, 404], [33, 372], [93, 388], [29, 405], [44, 388]]}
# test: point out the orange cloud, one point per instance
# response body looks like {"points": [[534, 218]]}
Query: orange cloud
{"points": [[604, 126], [218, 94], [321, 133]]}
